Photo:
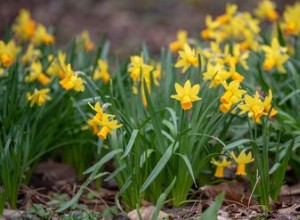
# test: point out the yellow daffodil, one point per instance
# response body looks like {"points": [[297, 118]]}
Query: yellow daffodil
{"points": [[220, 165], [188, 57], [156, 73], [101, 71], [37, 74], [138, 68], [38, 97], [71, 80], [275, 55], [241, 161], [232, 95], [254, 106], [268, 105], [8, 53], [31, 54], [99, 111], [234, 74], [186, 94], [291, 24], [230, 11], [24, 26], [266, 10], [41, 36], [108, 125], [94, 125], [85, 40], [56, 67], [211, 29], [237, 56], [215, 73], [180, 42]]}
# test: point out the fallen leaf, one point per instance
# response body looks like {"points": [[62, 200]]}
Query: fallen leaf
{"points": [[146, 213]]}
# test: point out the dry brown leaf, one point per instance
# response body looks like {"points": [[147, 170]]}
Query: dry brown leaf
{"points": [[146, 213]]}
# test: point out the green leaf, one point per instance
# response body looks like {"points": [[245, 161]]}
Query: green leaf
{"points": [[130, 143], [237, 143], [212, 212], [159, 166], [162, 198], [104, 159], [189, 166], [279, 174], [116, 172]]}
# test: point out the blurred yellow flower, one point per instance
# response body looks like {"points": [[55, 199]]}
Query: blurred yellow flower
{"points": [[31, 54], [291, 23], [220, 165], [37, 74], [216, 73], [138, 68], [275, 55], [231, 9], [86, 41], [186, 94], [187, 57], [56, 67], [41, 36], [242, 159], [8, 53], [232, 95], [38, 97], [266, 10], [24, 26], [268, 105], [236, 56], [180, 42], [101, 71], [157, 73]]}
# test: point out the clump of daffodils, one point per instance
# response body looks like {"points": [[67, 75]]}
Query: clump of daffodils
{"points": [[102, 123], [26, 29], [255, 107]]}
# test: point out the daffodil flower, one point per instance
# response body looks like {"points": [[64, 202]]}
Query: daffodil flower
{"points": [[180, 42], [24, 27], [232, 95], [186, 94], [266, 10], [242, 159], [71, 80], [275, 56], [108, 125], [253, 106], [220, 165], [101, 71], [187, 57], [38, 97]]}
